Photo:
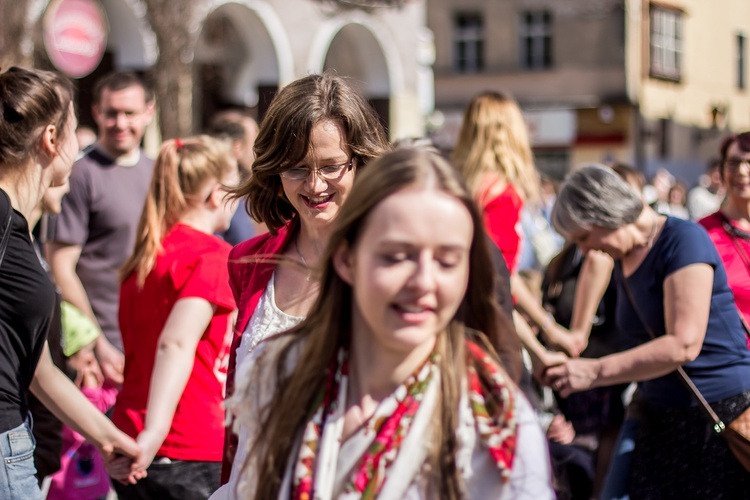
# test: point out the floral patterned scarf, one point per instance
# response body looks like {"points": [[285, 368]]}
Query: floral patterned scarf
{"points": [[490, 395]]}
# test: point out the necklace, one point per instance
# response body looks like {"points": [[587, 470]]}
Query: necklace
{"points": [[302, 258]]}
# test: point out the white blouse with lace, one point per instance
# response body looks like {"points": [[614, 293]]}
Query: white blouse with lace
{"points": [[267, 320]]}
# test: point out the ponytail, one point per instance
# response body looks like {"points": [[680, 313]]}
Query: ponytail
{"points": [[180, 171]]}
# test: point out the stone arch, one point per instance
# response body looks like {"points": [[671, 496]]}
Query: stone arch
{"points": [[355, 46], [242, 45]]}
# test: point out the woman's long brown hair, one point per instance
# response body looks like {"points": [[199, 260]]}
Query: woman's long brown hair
{"points": [[328, 327]]}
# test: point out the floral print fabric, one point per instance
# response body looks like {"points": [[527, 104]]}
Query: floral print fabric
{"points": [[490, 396]]}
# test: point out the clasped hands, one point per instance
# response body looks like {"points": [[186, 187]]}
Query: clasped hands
{"points": [[131, 469], [566, 374]]}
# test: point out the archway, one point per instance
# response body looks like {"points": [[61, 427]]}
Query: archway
{"points": [[241, 59], [354, 51]]}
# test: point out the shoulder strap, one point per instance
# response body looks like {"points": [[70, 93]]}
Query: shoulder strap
{"points": [[718, 424], [6, 236]]}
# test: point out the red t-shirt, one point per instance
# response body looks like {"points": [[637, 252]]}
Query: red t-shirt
{"points": [[502, 215], [738, 273], [192, 264]]}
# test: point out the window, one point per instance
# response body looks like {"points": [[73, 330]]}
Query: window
{"points": [[536, 40], [666, 43], [741, 61], [469, 42]]}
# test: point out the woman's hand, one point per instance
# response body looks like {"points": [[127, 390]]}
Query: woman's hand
{"points": [[128, 470], [111, 361], [149, 442], [545, 361], [568, 341], [120, 453], [560, 430], [575, 375]]}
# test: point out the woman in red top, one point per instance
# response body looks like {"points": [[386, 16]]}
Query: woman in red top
{"points": [[494, 154], [729, 227], [176, 315]]}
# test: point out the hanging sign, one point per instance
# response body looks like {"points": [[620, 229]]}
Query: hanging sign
{"points": [[75, 35]]}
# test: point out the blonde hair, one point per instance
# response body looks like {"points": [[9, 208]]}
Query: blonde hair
{"points": [[494, 139], [180, 171], [328, 326]]}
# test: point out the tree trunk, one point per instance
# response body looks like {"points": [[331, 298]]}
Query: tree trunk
{"points": [[173, 71], [14, 34]]}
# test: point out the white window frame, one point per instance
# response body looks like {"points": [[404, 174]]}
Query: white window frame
{"points": [[665, 43]]}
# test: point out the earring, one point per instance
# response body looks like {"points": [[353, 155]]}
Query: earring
{"points": [[281, 192]]}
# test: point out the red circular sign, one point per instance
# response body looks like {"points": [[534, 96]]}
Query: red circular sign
{"points": [[75, 35]]}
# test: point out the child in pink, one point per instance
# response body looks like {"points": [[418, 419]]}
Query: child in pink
{"points": [[82, 475]]}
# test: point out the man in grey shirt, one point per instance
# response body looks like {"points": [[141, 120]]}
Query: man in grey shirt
{"points": [[95, 232]]}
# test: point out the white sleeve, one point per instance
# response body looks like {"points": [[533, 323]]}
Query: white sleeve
{"points": [[531, 477]]}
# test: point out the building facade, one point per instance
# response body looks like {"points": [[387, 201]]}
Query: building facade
{"points": [[650, 83], [206, 55]]}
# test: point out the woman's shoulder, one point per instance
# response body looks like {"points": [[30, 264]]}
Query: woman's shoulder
{"points": [[683, 231], [266, 243]]}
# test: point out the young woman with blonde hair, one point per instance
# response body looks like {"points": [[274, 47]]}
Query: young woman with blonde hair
{"points": [[388, 388], [176, 316], [494, 155]]}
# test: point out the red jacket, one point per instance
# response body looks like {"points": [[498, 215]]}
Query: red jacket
{"points": [[248, 277]]}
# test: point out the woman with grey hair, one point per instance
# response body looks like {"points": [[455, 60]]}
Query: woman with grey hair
{"points": [[679, 291]]}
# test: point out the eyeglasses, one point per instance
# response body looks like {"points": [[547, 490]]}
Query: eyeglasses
{"points": [[734, 164], [329, 172]]}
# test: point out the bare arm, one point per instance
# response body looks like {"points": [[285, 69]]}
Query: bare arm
{"points": [[593, 280], [63, 259], [175, 356], [687, 301], [541, 358], [555, 335], [68, 404]]}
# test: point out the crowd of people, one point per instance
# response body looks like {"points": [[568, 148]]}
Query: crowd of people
{"points": [[299, 308]]}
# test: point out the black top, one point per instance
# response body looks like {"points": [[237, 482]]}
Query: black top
{"points": [[27, 299]]}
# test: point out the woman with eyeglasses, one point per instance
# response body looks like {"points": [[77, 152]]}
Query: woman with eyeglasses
{"points": [[729, 227], [317, 133]]}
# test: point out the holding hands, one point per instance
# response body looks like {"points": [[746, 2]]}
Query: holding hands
{"points": [[121, 456], [573, 375]]}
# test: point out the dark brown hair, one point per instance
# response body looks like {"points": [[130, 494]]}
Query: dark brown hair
{"points": [[29, 101], [284, 139], [743, 142], [120, 81]]}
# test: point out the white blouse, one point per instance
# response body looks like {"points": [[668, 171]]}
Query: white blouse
{"points": [[267, 320]]}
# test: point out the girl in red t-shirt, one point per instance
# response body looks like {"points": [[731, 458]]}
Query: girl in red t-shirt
{"points": [[176, 314]]}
